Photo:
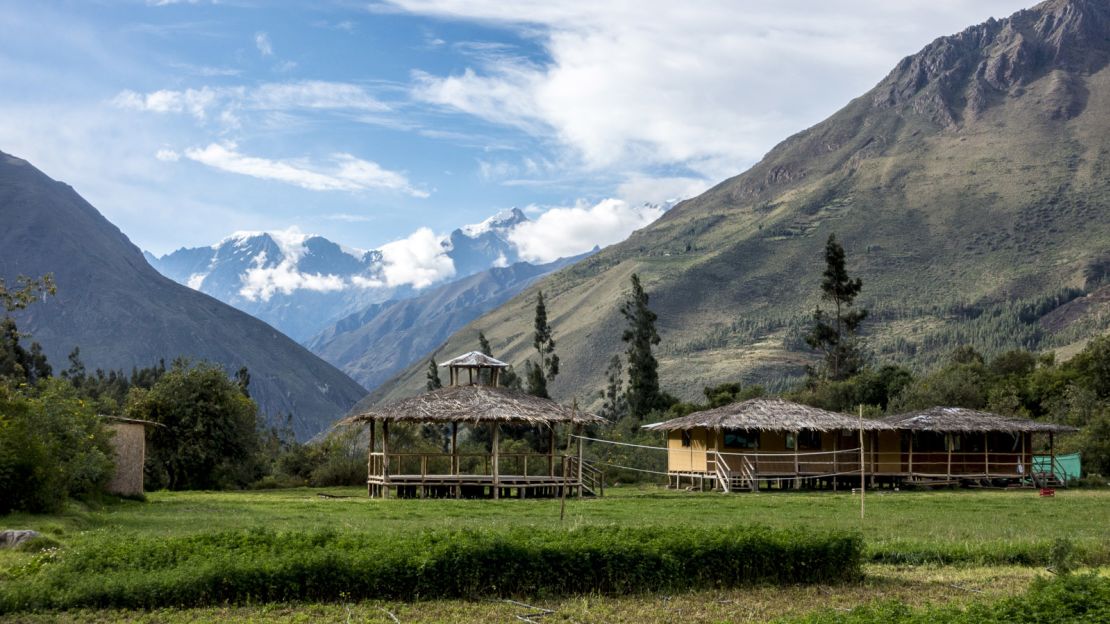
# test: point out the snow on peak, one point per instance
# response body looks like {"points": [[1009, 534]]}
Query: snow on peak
{"points": [[503, 219]]}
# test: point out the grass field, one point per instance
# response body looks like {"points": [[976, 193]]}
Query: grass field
{"points": [[924, 547]]}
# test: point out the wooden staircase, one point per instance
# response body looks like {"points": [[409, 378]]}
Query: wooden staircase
{"points": [[733, 480]]}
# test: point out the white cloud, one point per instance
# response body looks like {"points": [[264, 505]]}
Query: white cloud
{"points": [[223, 102], [419, 260], [261, 282], [344, 172], [563, 232], [708, 85], [167, 155], [262, 42]]}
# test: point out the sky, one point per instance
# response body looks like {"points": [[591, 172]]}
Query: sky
{"points": [[374, 122]]}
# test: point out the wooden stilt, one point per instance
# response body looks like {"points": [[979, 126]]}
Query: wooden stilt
{"points": [[385, 459], [948, 443], [496, 436], [836, 468], [986, 455], [370, 458], [797, 481], [578, 432], [551, 450]]}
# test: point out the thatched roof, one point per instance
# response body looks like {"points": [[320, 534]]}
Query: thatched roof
{"points": [[476, 404], [767, 415], [475, 359], [963, 420]]}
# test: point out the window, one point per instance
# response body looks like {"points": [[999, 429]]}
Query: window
{"points": [[809, 440], [741, 439], [685, 437]]}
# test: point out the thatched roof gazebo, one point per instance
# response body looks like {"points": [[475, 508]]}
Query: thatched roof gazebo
{"points": [[476, 404]]}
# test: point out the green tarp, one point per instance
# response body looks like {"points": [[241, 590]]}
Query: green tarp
{"points": [[1067, 466]]}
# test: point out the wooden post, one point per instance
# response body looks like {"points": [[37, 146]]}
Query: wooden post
{"points": [[836, 448], [1021, 461], [496, 435], [1051, 455], [862, 472], [986, 455], [797, 477], [370, 459], [455, 458], [455, 448], [948, 443], [551, 450], [911, 455], [578, 432], [385, 459]]}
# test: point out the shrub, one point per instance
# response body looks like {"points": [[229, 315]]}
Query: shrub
{"points": [[262, 565], [1074, 598]]}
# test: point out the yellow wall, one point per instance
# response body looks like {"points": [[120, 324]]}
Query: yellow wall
{"points": [[889, 456], [686, 458]]}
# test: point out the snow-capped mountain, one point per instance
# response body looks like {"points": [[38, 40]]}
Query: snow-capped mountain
{"points": [[300, 283]]}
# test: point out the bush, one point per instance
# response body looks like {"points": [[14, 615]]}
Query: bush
{"points": [[1075, 598], [261, 565], [52, 446]]}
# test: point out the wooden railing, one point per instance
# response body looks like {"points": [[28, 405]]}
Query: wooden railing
{"points": [[935, 464], [474, 464], [587, 474]]}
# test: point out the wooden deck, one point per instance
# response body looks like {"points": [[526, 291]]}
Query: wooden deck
{"points": [[485, 475]]}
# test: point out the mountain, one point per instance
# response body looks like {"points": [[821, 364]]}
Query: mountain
{"points": [[301, 284], [122, 313], [969, 188], [375, 344]]}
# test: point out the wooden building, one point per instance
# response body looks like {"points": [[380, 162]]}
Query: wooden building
{"points": [[474, 400], [129, 454], [956, 444], [763, 441], [774, 442]]}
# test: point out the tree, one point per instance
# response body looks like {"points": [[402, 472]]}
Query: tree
{"points": [[26, 291], [208, 437], [243, 380], [643, 369], [17, 363], [614, 403], [508, 377], [835, 336], [433, 376], [539, 375]]}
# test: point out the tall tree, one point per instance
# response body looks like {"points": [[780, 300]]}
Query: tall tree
{"points": [[16, 362], [548, 367], [508, 377], [433, 376], [643, 369], [835, 336], [207, 438], [614, 403]]}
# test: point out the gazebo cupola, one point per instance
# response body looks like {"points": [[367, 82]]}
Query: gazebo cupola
{"points": [[474, 363]]}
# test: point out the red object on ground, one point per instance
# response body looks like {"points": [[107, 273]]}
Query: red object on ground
{"points": [[1048, 492]]}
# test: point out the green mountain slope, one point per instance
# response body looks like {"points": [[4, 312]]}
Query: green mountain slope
{"points": [[970, 189], [122, 313]]}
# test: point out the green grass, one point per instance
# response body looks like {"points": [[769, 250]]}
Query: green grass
{"points": [[914, 531], [953, 521]]}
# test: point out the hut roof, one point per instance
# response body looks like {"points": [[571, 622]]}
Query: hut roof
{"points": [[475, 359], [960, 419], [767, 415], [476, 404]]}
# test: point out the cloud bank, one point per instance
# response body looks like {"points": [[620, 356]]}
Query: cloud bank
{"points": [[343, 172], [562, 232]]}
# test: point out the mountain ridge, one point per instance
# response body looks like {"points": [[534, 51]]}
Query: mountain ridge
{"points": [[971, 177], [122, 313]]}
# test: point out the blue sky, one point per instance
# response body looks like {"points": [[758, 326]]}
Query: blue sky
{"points": [[365, 121]]}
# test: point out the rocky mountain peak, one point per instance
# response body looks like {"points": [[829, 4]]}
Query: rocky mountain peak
{"points": [[964, 74]]}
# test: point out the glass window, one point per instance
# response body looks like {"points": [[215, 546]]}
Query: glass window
{"points": [[685, 437], [741, 439]]}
